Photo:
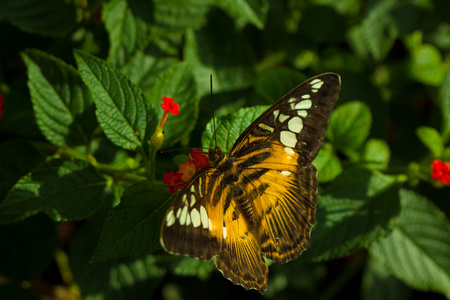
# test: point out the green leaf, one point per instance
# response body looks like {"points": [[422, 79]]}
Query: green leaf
{"points": [[380, 29], [246, 11], [356, 208], [444, 101], [187, 266], [376, 154], [349, 125], [378, 283], [146, 66], [133, 227], [127, 32], [177, 82], [417, 250], [29, 244], [426, 65], [327, 164], [230, 60], [17, 158], [63, 189], [45, 17], [431, 138], [172, 17], [118, 279], [230, 127], [122, 110], [62, 103]]}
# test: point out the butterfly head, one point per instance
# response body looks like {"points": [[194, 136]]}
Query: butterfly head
{"points": [[216, 155]]}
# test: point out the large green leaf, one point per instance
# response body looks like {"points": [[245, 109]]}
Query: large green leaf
{"points": [[431, 138], [118, 279], [62, 104], [246, 11], [127, 33], [327, 164], [146, 66], [417, 250], [349, 125], [444, 101], [64, 189], [133, 227], [122, 110], [376, 154], [379, 283], [230, 127], [380, 30], [356, 208], [45, 17]]}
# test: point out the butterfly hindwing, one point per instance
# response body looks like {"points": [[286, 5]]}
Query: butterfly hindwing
{"points": [[240, 258], [191, 225]]}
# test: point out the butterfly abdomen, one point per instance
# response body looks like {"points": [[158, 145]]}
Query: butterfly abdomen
{"points": [[231, 179]]}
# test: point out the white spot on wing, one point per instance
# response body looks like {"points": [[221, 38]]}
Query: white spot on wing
{"points": [[305, 104], [302, 113], [276, 113], [295, 124], [224, 232], [289, 150], [285, 173], [192, 200], [265, 127], [306, 96], [183, 215], [288, 138], [188, 219], [204, 217], [315, 81], [209, 224], [192, 189], [283, 118], [178, 213], [170, 219], [292, 100], [195, 218]]}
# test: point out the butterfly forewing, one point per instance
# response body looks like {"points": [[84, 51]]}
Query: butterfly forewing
{"points": [[261, 200], [297, 121]]}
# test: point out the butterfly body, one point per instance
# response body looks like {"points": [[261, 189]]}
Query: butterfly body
{"points": [[260, 200]]}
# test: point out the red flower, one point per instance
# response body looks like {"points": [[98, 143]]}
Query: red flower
{"points": [[441, 171], [177, 180], [200, 159], [170, 106], [173, 179]]}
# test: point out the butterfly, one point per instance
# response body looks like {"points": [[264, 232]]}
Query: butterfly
{"points": [[260, 200]]}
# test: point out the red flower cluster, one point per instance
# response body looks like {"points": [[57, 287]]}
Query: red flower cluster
{"points": [[177, 180], [441, 171], [170, 106]]}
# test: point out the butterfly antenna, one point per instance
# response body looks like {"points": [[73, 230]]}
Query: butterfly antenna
{"points": [[212, 107]]}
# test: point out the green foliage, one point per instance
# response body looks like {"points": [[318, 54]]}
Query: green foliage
{"points": [[81, 192]]}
